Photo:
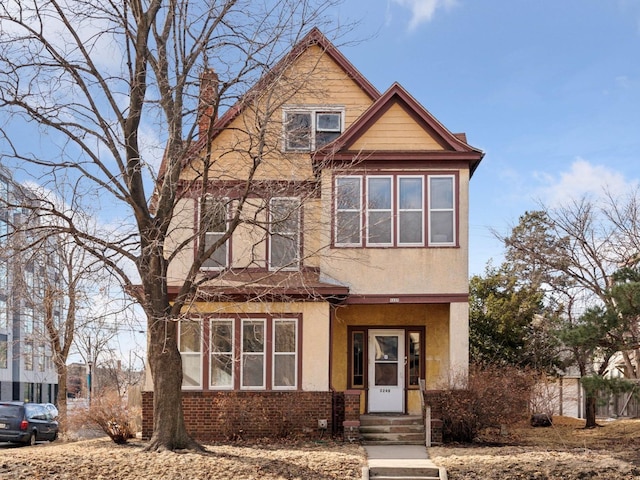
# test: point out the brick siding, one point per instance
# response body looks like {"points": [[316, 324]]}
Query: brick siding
{"points": [[215, 416]]}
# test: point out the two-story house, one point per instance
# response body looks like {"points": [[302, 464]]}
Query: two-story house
{"points": [[346, 280]]}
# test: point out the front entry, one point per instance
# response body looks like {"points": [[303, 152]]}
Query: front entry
{"points": [[386, 371]]}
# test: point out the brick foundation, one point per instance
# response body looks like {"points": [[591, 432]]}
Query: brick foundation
{"points": [[434, 398], [216, 416]]}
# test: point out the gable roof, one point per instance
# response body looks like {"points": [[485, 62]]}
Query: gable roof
{"points": [[314, 38], [450, 146]]}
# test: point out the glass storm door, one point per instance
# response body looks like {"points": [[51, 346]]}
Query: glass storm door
{"points": [[386, 371]]}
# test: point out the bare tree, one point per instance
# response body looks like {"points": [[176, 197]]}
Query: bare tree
{"points": [[578, 248], [108, 82]]}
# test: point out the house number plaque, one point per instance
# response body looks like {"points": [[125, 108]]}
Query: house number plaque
{"points": [[385, 390]]}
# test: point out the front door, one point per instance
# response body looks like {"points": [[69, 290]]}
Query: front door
{"points": [[386, 371]]}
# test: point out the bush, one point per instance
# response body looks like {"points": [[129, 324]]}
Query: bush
{"points": [[109, 411], [496, 396]]}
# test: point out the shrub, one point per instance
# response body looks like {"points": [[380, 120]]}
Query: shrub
{"points": [[495, 396], [109, 411]]}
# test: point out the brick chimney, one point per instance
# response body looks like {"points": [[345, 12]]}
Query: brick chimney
{"points": [[207, 108]]}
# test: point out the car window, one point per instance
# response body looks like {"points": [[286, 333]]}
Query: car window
{"points": [[9, 411], [36, 412]]}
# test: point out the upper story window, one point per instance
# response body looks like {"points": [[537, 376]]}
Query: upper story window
{"points": [[393, 210], [215, 211], [307, 129], [284, 223]]}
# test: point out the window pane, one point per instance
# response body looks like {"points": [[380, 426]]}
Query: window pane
{"points": [[285, 215], [411, 193], [380, 227], [386, 374], [348, 228], [284, 251], [222, 336], [218, 258], [358, 359], [285, 335], [441, 227], [386, 347], [410, 227], [379, 193], [253, 336], [3, 352], [215, 214], [348, 193], [189, 336], [3, 314], [252, 371], [190, 370], [221, 370], [322, 138], [284, 371], [298, 131], [328, 121], [414, 358], [441, 192]]}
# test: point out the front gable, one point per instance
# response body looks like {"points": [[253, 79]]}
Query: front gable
{"points": [[397, 127]]}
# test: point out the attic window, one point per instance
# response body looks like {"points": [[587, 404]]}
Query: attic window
{"points": [[307, 130]]}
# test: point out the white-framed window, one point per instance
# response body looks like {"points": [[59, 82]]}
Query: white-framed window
{"points": [[284, 229], [348, 205], [252, 355], [214, 215], [190, 346], [395, 210], [221, 371], [410, 219], [442, 230], [307, 129], [285, 358], [379, 211]]}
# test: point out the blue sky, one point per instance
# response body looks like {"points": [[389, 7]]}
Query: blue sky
{"points": [[549, 89]]}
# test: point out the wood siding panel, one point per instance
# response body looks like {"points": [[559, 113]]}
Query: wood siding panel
{"points": [[396, 130]]}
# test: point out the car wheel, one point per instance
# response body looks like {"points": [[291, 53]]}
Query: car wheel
{"points": [[32, 439]]}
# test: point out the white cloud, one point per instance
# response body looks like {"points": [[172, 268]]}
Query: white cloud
{"points": [[423, 10], [582, 179]]}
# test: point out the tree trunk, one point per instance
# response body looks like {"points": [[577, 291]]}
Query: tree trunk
{"points": [[590, 411], [169, 431], [61, 398]]}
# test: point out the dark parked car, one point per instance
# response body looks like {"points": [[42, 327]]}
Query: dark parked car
{"points": [[26, 423]]}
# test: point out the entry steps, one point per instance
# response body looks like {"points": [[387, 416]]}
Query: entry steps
{"points": [[392, 430], [400, 462]]}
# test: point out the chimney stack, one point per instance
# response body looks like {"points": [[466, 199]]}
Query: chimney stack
{"points": [[207, 108]]}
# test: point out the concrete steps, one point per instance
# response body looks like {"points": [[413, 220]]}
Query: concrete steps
{"points": [[404, 473], [392, 430]]}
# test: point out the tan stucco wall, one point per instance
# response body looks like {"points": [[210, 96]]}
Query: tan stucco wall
{"points": [[421, 270]]}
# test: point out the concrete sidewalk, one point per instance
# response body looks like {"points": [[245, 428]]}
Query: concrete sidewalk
{"points": [[400, 458]]}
